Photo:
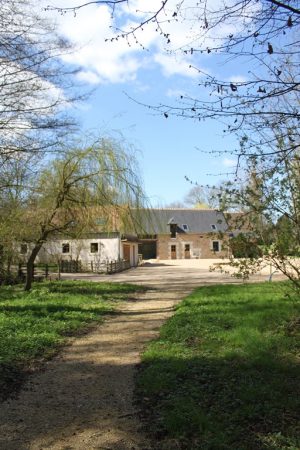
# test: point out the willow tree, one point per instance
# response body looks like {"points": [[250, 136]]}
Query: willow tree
{"points": [[75, 188], [36, 91]]}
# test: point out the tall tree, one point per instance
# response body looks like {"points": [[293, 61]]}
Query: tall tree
{"points": [[67, 197], [269, 214], [35, 90], [34, 85]]}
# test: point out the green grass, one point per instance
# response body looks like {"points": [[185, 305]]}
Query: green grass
{"points": [[224, 373], [34, 325]]}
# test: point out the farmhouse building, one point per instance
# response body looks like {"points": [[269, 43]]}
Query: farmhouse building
{"points": [[165, 233], [183, 234]]}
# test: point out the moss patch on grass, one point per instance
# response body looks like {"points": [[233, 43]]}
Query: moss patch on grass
{"points": [[224, 373]]}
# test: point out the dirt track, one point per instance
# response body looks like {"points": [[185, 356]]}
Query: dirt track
{"points": [[83, 398]]}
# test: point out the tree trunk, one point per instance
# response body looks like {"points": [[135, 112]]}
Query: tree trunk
{"points": [[30, 266]]}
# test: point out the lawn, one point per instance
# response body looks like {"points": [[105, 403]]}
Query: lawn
{"points": [[34, 325], [224, 373]]}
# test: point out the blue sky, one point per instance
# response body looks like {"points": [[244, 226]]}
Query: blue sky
{"points": [[168, 149]]}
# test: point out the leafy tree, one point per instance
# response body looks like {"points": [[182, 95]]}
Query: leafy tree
{"points": [[200, 197], [203, 197], [68, 196], [269, 221], [16, 176]]}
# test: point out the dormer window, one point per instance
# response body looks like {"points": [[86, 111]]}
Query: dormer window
{"points": [[185, 227], [173, 228], [213, 227]]}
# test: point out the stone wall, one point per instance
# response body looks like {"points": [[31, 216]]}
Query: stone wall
{"points": [[201, 246]]}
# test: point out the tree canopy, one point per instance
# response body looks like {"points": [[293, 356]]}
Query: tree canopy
{"points": [[68, 195], [262, 35], [35, 88]]}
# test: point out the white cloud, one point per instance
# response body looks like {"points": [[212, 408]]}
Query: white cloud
{"points": [[119, 61], [175, 93], [89, 77], [228, 162], [238, 79], [171, 65]]}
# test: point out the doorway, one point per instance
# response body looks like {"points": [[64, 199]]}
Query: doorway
{"points": [[126, 252], [187, 251], [173, 252]]}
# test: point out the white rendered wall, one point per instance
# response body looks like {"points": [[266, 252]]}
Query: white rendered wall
{"points": [[80, 249]]}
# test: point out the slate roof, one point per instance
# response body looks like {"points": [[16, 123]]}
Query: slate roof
{"points": [[158, 221]]}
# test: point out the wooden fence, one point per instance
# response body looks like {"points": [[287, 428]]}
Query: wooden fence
{"points": [[108, 267], [117, 266], [71, 266], [40, 272]]}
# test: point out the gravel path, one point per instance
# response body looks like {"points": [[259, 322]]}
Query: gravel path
{"points": [[83, 398]]}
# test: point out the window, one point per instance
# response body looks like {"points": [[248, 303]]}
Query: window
{"points": [[23, 249], [213, 227], [173, 228], [94, 247], [216, 246], [185, 227], [100, 221], [187, 247], [65, 248]]}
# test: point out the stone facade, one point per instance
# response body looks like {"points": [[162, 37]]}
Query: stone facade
{"points": [[191, 246]]}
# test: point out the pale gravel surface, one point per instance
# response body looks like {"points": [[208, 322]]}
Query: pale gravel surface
{"points": [[83, 398]]}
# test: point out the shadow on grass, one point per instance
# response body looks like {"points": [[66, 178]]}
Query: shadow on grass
{"points": [[221, 404], [69, 287], [34, 324], [224, 373]]}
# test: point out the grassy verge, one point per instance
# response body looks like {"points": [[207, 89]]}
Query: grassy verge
{"points": [[33, 325], [224, 373]]}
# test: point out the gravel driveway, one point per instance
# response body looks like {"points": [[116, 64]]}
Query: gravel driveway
{"points": [[172, 274]]}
